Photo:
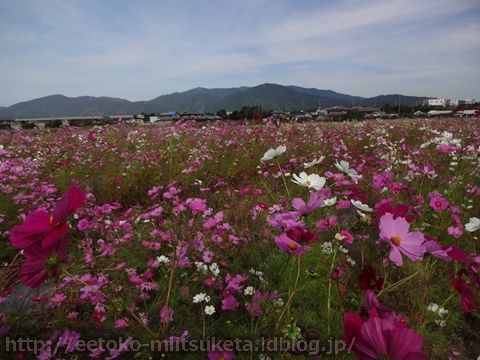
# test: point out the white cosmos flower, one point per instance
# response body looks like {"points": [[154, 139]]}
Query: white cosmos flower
{"points": [[344, 166], [162, 259], [473, 224], [209, 310], [273, 153], [308, 165], [330, 202], [310, 181], [201, 297], [361, 206]]}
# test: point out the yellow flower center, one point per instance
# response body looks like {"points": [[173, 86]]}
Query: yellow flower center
{"points": [[292, 245], [396, 240]]}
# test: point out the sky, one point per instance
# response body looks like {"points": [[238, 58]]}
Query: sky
{"points": [[138, 50]]}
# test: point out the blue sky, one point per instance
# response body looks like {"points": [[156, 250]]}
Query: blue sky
{"points": [[141, 49]]}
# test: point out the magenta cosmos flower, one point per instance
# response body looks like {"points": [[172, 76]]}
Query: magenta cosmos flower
{"points": [[285, 243], [379, 338], [220, 355], [42, 229], [438, 203], [396, 233]]}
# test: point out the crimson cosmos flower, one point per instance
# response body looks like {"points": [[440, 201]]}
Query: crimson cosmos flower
{"points": [[41, 230], [41, 264], [369, 279], [42, 236]]}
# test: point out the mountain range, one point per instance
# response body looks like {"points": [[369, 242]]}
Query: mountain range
{"points": [[269, 96]]}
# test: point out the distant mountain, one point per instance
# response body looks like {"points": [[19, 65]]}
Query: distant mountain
{"points": [[59, 105], [269, 96]]}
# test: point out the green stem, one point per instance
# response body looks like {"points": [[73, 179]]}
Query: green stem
{"points": [[290, 298], [284, 182], [329, 300]]}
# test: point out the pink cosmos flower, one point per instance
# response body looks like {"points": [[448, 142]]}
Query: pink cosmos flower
{"points": [[121, 323], [230, 303], [326, 223], [286, 244], [455, 231], [197, 205], [57, 299], [166, 314], [42, 229], [380, 338], [283, 221], [234, 283], [347, 236], [382, 180], [83, 225], [314, 202], [434, 249], [438, 203], [220, 355], [68, 339], [396, 233], [208, 256]]}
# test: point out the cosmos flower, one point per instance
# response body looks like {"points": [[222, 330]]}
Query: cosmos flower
{"points": [[301, 235], [166, 314], [360, 206], [345, 236], [209, 310], [197, 205], [220, 355], [400, 210], [310, 181], [121, 323], [42, 229], [473, 224], [285, 243], [314, 162], [42, 263], [434, 249], [344, 166], [273, 153], [230, 303], [396, 233], [438, 203], [381, 338], [466, 296], [369, 279], [314, 202]]}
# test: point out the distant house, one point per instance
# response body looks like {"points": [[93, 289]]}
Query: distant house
{"points": [[466, 102], [336, 112], [366, 109], [439, 112], [449, 102], [438, 102], [468, 113]]}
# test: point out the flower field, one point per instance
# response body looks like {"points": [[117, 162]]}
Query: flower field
{"points": [[366, 232]]}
